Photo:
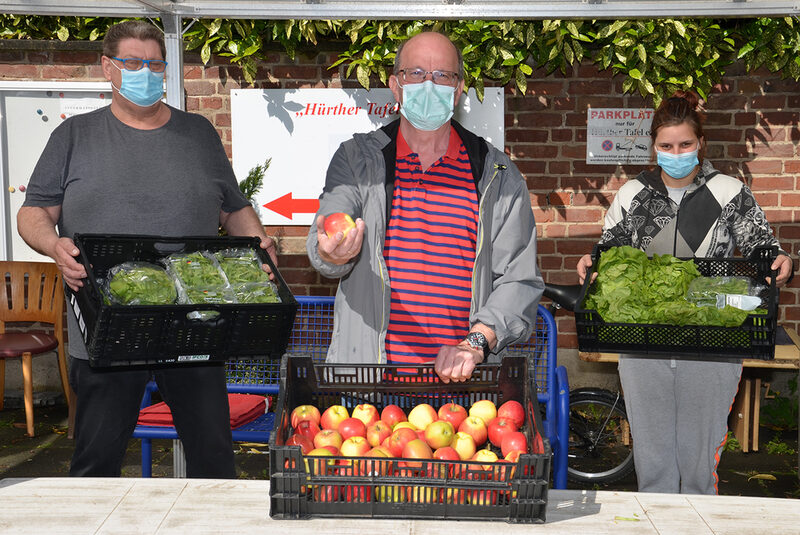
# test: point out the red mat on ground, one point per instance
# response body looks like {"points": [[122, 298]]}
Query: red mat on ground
{"points": [[244, 408]]}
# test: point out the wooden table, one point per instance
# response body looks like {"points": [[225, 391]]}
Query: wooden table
{"points": [[198, 506], [747, 405]]}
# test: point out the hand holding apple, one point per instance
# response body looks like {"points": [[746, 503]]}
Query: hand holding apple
{"points": [[339, 222], [340, 247]]}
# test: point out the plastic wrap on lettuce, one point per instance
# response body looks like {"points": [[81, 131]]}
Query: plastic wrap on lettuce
{"points": [[256, 292], [139, 283], [241, 265]]}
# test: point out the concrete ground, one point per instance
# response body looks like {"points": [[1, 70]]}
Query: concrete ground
{"points": [[48, 455]]}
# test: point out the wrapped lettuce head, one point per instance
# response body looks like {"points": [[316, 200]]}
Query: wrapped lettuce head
{"points": [[241, 266], [140, 283]]}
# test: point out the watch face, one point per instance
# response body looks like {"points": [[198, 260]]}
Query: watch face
{"points": [[476, 340]]}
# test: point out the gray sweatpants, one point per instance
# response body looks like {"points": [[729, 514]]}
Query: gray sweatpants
{"points": [[678, 411]]}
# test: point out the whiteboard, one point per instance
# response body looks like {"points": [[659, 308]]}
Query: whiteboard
{"points": [[29, 112], [300, 129]]}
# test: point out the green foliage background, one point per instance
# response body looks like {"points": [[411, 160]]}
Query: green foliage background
{"points": [[654, 56]]}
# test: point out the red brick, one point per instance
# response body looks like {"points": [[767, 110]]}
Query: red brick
{"points": [[542, 216], [749, 86], [724, 134], [766, 167], [555, 230], [15, 56], [585, 230], [545, 246], [558, 168], [560, 198], [745, 119], [787, 199], [573, 151], [719, 119], [779, 117], [793, 101], [63, 72], [600, 101], [575, 247], [792, 166], [18, 72], [521, 150], [222, 119], [530, 166], [541, 182], [526, 136], [296, 72], [564, 103], [726, 102], [514, 104], [723, 87], [192, 103], [550, 262], [591, 71], [779, 85], [81, 57], [760, 102], [593, 198], [582, 183], [575, 119], [582, 215], [585, 168], [580, 135], [593, 87], [561, 134], [768, 200], [211, 103], [545, 88], [200, 87], [769, 183], [539, 119], [766, 134]]}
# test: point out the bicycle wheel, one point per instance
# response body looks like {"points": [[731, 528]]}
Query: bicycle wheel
{"points": [[600, 442]]}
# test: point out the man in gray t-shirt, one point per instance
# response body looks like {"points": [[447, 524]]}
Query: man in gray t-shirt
{"points": [[137, 166]]}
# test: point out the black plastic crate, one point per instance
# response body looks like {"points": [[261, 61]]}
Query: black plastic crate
{"points": [[437, 489], [117, 335], [754, 339]]}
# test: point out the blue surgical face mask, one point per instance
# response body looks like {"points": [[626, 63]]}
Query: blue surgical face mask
{"points": [[677, 165], [143, 87], [427, 106]]}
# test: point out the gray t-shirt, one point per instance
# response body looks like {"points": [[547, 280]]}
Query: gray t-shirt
{"points": [[110, 178]]}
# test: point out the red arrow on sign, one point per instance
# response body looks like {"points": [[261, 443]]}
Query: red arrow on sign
{"points": [[287, 206]]}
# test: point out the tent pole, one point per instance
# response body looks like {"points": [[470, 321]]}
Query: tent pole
{"points": [[173, 38]]}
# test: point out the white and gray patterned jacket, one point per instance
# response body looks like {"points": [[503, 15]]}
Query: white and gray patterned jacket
{"points": [[717, 215]]}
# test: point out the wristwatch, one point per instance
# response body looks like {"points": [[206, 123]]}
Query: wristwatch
{"points": [[477, 340]]}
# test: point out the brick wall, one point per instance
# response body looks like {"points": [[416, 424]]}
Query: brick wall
{"points": [[752, 132]]}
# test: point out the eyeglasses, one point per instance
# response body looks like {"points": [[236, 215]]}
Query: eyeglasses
{"points": [[135, 64], [415, 76]]}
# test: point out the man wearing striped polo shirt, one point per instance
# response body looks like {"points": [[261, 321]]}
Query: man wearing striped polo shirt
{"points": [[441, 266]]}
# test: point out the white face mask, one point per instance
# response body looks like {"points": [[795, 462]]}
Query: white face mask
{"points": [[427, 106], [677, 165], [143, 87]]}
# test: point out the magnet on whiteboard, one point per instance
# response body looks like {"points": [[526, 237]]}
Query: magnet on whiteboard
{"points": [[11, 189], [22, 189]]}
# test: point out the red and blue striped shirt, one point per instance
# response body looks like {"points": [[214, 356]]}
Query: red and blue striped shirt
{"points": [[430, 252]]}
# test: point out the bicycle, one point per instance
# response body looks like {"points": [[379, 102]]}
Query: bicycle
{"points": [[600, 446]]}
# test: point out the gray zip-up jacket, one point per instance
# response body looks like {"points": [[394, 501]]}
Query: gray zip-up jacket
{"points": [[506, 283]]}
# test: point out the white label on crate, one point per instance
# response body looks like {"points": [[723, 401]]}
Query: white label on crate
{"points": [[189, 358], [79, 317]]}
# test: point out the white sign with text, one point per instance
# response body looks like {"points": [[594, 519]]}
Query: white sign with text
{"points": [[618, 136], [300, 129]]}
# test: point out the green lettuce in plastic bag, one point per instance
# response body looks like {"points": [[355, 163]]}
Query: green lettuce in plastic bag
{"points": [[140, 283]]}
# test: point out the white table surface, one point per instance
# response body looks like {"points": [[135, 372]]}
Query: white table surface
{"points": [[121, 506]]}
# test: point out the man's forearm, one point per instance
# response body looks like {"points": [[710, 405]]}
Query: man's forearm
{"points": [[243, 222], [37, 226]]}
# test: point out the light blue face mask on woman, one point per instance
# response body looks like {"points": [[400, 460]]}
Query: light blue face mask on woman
{"points": [[143, 87], [427, 106], [677, 165]]}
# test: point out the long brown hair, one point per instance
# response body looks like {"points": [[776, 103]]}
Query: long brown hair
{"points": [[681, 107]]}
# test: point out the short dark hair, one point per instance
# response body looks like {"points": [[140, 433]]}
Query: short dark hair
{"points": [[132, 29], [681, 107], [459, 56]]}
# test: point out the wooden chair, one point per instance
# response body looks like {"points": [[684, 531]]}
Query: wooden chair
{"points": [[31, 292]]}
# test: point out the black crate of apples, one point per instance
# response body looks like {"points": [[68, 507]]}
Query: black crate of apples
{"points": [[379, 441]]}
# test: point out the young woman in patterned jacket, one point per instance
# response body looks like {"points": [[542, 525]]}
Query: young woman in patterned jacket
{"points": [[678, 408]]}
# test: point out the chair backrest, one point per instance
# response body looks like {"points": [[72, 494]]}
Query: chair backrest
{"points": [[31, 292]]}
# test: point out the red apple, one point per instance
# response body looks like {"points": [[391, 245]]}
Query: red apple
{"points": [[485, 409], [328, 437], [366, 413], [476, 427], [307, 428], [446, 453], [407, 425], [453, 413], [415, 449], [499, 428], [421, 415], [320, 466], [399, 439], [355, 446], [439, 434], [352, 427], [378, 432], [305, 444], [333, 416], [514, 410], [392, 415], [305, 412], [464, 445], [331, 448], [512, 442], [338, 222]]}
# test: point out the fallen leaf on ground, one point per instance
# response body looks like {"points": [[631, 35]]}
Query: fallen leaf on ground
{"points": [[767, 477]]}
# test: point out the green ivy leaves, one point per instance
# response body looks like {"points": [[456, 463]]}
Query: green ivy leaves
{"points": [[654, 56]]}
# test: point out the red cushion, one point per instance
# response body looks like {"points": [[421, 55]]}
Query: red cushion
{"points": [[15, 344], [244, 408]]}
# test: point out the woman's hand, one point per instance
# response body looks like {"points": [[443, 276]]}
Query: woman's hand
{"points": [[784, 266], [583, 267]]}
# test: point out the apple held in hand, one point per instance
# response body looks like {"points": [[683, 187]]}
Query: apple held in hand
{"points": [[333, 416], [499, 428], [484, 409], [514, 410], [338, 222], [453, 413]]}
